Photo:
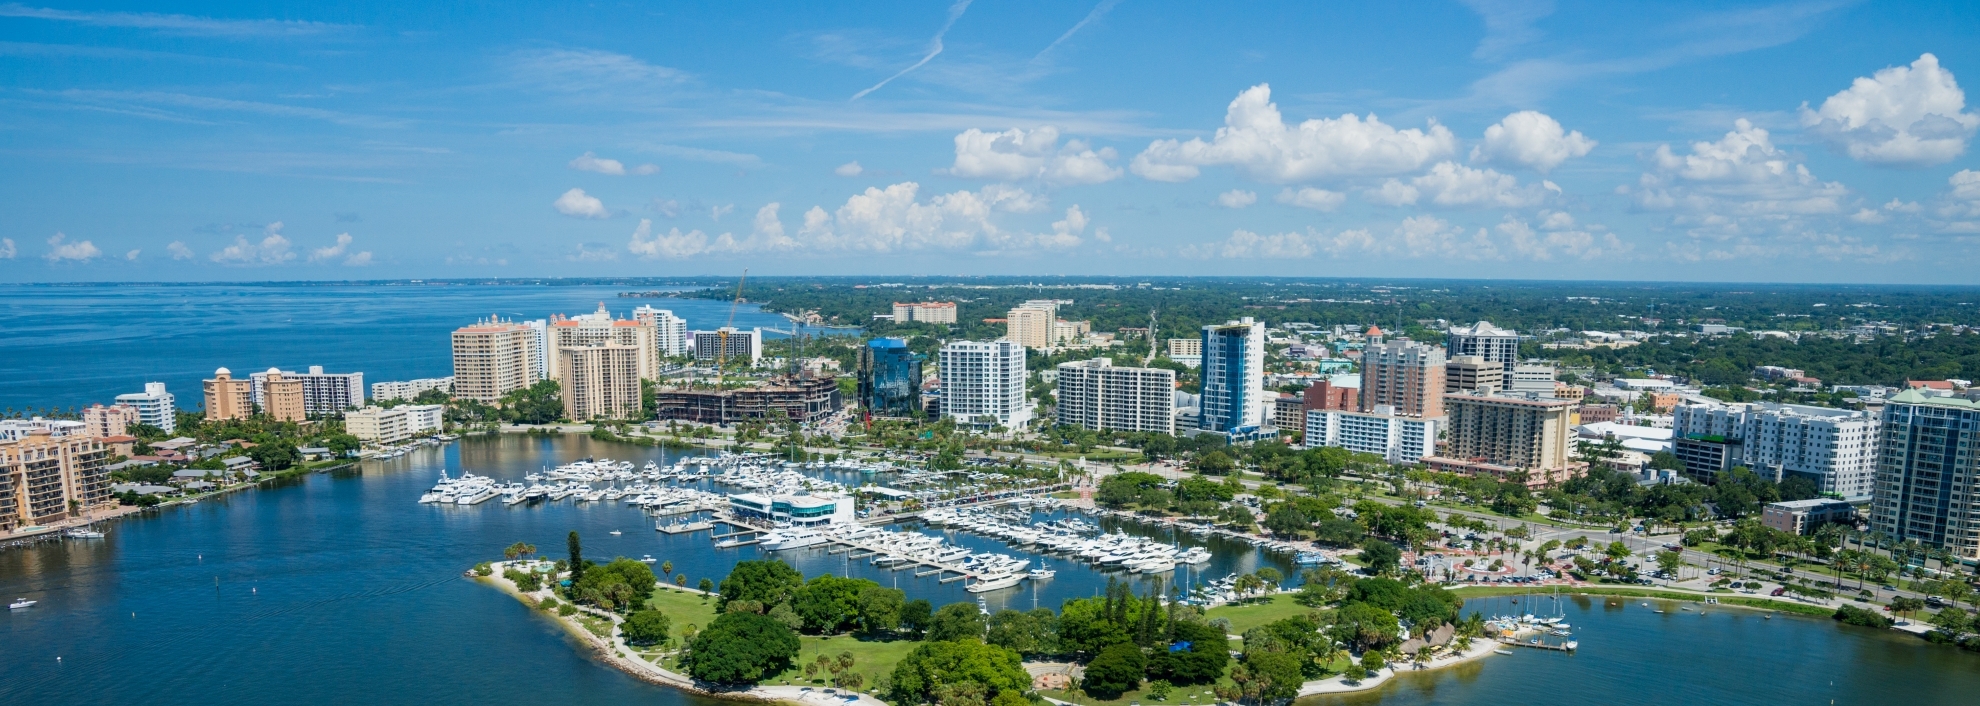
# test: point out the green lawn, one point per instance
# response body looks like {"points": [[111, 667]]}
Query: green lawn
{"points": [[871, 658], [1251, 615], [683, 608]]}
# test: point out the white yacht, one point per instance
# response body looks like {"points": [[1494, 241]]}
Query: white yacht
{"points": [[993, 582], [20, 603], [797, 538]]}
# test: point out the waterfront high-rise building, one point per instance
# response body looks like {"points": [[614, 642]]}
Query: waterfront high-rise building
{"points": [[113, 420], [155, 406], [1504, 435], [669, 331], [493, 358], [1030, 325], [599, 327], [1405, 375], [281, 396], [1485, 341], [1397, 439], [322, 393], [409, 389], [1093, 394], [601, 381], [46, 478], [729, 345], [1836, 449], [983, 383], [889, 378], [227, 398], [1928, 473], [925, 312], [545, 357], [1233, 389], [1469, 373]]}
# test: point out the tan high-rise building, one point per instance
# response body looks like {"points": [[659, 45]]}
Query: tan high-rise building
{"points": [[45, 478], [1403, 374], [227, 398], [109, 421], [1030, 327], [493, 358], [601, 381], [1466, 373], [1528, 434], [599, 327], [925, 312], [283, 397]]}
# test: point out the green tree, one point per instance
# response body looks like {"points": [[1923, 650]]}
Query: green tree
{"points": [[1024, 633], [1669, 561], [1380, 556], [577, 556], [765, 581], [880, 608], [916, 615], [1117, 669], [955, 621], [1365, 626], [646, 627], [993, 674], [741, 648], [829, 603]]}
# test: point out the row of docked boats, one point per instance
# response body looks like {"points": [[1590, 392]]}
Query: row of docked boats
{"points": [[985, 571], [1076, 538], [472, 489]]}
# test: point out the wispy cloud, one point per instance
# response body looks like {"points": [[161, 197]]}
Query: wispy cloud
{"points": [[141, 100], [934, 48], [1098, 12], [179, 24]]}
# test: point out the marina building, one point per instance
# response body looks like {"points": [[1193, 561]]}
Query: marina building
{"points": [[1402, 374], [729, 344], [1502, 436], [45, 478], [102, 422], [155, 406], [493, 358], [322, 393], [1233, 390], [1928, 477], [983, 383], [670, 333], [1836, 449], [387, 391], [811, 509], [1494, 344], [925, 312], [1093, 394], [889, 378], [1396, 438], [803, 399], [601, 380], [227, 398]]}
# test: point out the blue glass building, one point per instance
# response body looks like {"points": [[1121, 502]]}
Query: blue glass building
{"points": [[889, 378]]}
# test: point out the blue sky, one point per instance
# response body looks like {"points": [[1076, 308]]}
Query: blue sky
{"points": [[1826, 141]]}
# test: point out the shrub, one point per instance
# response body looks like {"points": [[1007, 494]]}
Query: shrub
{"points": [[566, 609], [1861, 616], [483, 569]]}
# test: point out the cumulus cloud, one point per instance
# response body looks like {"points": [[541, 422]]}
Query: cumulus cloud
{"points": [[589, 162], [132, 255], [767, 235], [1557, 236], [1392, 192], [179, 250], [849, 169], [718, 212], [272, 249], [7, 249], [1910, 116], [1017, 153], [577, 204], [1236, 198], [1309, 197], [1415, 237], [79, 251], [895, 218], [358, 259], [1453, 184], [1961, 203], [1741, 174], [1257, 141], [333, 251], [1530, 139]]}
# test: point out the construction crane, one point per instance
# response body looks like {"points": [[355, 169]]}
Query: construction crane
{"points": [[722, 334]]}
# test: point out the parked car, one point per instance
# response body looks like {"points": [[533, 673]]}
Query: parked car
{"points": [[1778, 591]]}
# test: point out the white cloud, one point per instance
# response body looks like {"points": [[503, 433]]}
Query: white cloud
{"points": [[1741, 175], [358, 259], [1392, 193], [589, 162], [1904, 116], [332, 252], [895, 218], [577, 204], [591, 72], [1530, 139], [1558, 236], [7, 249], [132, 255], [767, 236], [273, 249], [1065, 233], [1236, 198], [1309, 197], [849, 169], [1031, 154], [1961, 204], [1415, 237], [1011, 199], [1256, 140], [179, 250], [79, 251], [178, 24], [1453, 184], [718, 212]]}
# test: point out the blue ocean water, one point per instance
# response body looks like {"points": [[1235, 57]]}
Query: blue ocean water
{"points": [[73, 345]]}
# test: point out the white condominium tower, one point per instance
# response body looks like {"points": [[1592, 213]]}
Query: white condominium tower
{"points": [[492, 358], [983, 383], [669, 331], [155, 406], [1234, 377], [1093, 394], [1928, 473], [1834, 448], [1485, 341]]}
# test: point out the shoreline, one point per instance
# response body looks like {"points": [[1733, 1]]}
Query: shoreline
{"points": [[1480, 649], [614, 652]]}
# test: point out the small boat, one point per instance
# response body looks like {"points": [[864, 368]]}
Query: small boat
{"points": [[647, 558], [1502, 651], [615, 533], [20, 603], [84, 533]]}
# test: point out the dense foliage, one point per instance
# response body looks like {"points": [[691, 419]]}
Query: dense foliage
{"points": [[741, 648], [766, 582], [961, 671]]}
